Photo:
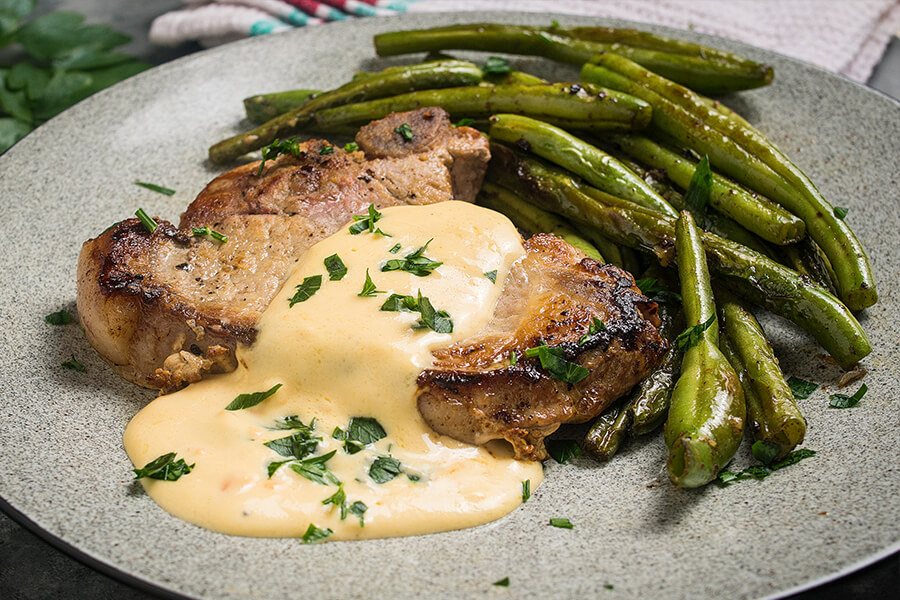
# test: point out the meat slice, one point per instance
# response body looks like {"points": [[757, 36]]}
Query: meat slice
{"points": [[552, 295], [166, 307]]}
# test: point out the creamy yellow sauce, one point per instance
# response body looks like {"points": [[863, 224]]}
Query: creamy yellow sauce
{"points": [[337, 356]]}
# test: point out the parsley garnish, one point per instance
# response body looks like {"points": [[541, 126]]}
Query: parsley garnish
{"points": [[367, 222], [765, 452], [503, 582], [800, 388], [690, 337], [294, 422], [164, 468], [361, 432], [556, 366], [415, 262], [249, 400], [465, 122], [359, 509], [61, 317], [763, 471], [697, 195], [339, 499], [277, 148], [148, 223], [314, 534], [844, 401], [369, 288], [496, 64], [314, 469], [327, 150], [405, 131], [74, 365], [156, 188], [563, 451], [608, 586], [395, 248], [651, 288], [526, 490], [562, 523], [491, 275], [210, 233], [554, 24], [594, 328], [336, 267], [436, 320], [513, 359], [397, 303], [840, 212], [384, 468], [306, 290], [351, 147], [297, 446]]}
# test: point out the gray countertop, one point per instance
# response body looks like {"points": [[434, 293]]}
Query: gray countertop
{"points": [[32, 568]]}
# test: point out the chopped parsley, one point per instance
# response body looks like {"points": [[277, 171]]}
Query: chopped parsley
{"points": [[306, 290], [496, 65], [503, 582], [296, 446], [61, 317], [398, 302], [840, 212], [557, 367], [74, 365], [249, 400], [594, 328], [690, 337], [562, 523], [563, 451], [367, 222], [395, 248], [359, 509], [351, 147], [698, 192], [336, 267], [314, 534], [277, 148], [800, 388], [164, 468], [314, 469], [526, 490], [844, 401], [156, 188], [205, 231], [327, 150], [361, 432], [491, 275], [148, 223], [651, 288], [339, 499], [765, 452], [513, 359], [763, 471], [384, 468], [415, 262], [436, 320], [369, 289], [404, 131], [294, 422]]}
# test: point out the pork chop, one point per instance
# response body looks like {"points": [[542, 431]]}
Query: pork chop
{"points": [[551, 297], [164, 308]]}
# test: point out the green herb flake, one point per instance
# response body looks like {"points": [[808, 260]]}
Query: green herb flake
{"points": [[73, 365], [554, 24], [294, 422], [415, 262], [336, 267], [436, 320], [314, 469], [763, 471], [395, 248], [351, 147], [562, 523], [608, 586], [369, 290], [651, 288], [594, 328], [496, 65], [556, 366], [277, 148], [800, 388], [274, 466], [526, 490], [206, 231], [398, 303], [327, 150], [365, 430], [314, 534], [465, 122], [297, 446], [563, 451], [491, 275], [765, 452], [339, 499], [61, 317], [249, 400], [840, 212], [367, 222], [384, 469], [149, 224], [844, 401], [690, 337], [502, 583], [164, 468], [306, 290], [404, 131], [513, 359], [358, 509], [156, 188], [698, 192]]}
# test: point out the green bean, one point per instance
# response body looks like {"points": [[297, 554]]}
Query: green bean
{"points": [[608, 431], [612, 252], [750, 159], [806, 258], [533, 219], [717, 74], [706, 414], [589, 107], [263, 107], [756, 213], [748, 273], [597, 167], [513, 78], [773, 415], [390, 81]]}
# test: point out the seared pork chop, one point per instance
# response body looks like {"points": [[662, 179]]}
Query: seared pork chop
{"points": [[164, 308], [551, 296]]}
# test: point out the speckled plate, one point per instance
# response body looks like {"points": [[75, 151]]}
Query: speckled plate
{"points": [[62, 465]]}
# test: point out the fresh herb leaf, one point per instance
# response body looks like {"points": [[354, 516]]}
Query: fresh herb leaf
{"points": [[306, 290], [651, 288], [690, 337], [365, 430], [384, 468], [74, 365], [562, 523], [314, 534], [435, 320], [491, 275], [415, 262], [800, 388], [366, 222], [61, 317], [404, 131], [698, 192], [397, 303], [563, 451], [274, 466], [844, 401], [206, 231], [465, 122], [395, 248], [294, 422], [297, 446], [276, 149], [249, 400], [339, 499], [164, 468], [314, 469], [149, 224], [351, 147], [369, 289], [763, 471], [840, 212], [794, 457], [556, 366], [497, 65], [503, 582], [336, 267], [594, 328], [359, 509], [554, 24], [765, 452], [327, 150], [608, 586], [156, 188], [513, 359], [526, 490]]}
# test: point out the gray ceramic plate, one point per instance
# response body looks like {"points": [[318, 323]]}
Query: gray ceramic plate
{"points": [[62, 464]]}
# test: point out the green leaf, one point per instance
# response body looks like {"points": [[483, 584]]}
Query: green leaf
{"points": [[314, 534], [249, 400], [415, 262], [526, 490], [306, 290], [697, 194], [327, 150], [794, 457], [14, 102], [765, 452], [314, 469], [339, 499], [594, 328], [74, 365], [336, 267], [294, 422], [840, 212], [17, 8], [54, 34], [651, 288], [61, 317], [25, 75], [298, 446], [690, 337], [359, 509], [800, 388], [844, 401], [395, 248], [62, 91], [158, 189], [277, 148], [503, 582], [369, 289], [164, 468], [562, 523], [351, 147], [438, 321], [404, 131], [103, 78], [384, 468], [556, 366], [491, 275], [763, 471], [365, 222], [397, 303], [274, 466], [496, 65], [205, 231], [365, 430], [87, 58], [563, 451]]}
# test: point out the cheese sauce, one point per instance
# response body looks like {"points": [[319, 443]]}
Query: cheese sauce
{"points": [[339, 356]]}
